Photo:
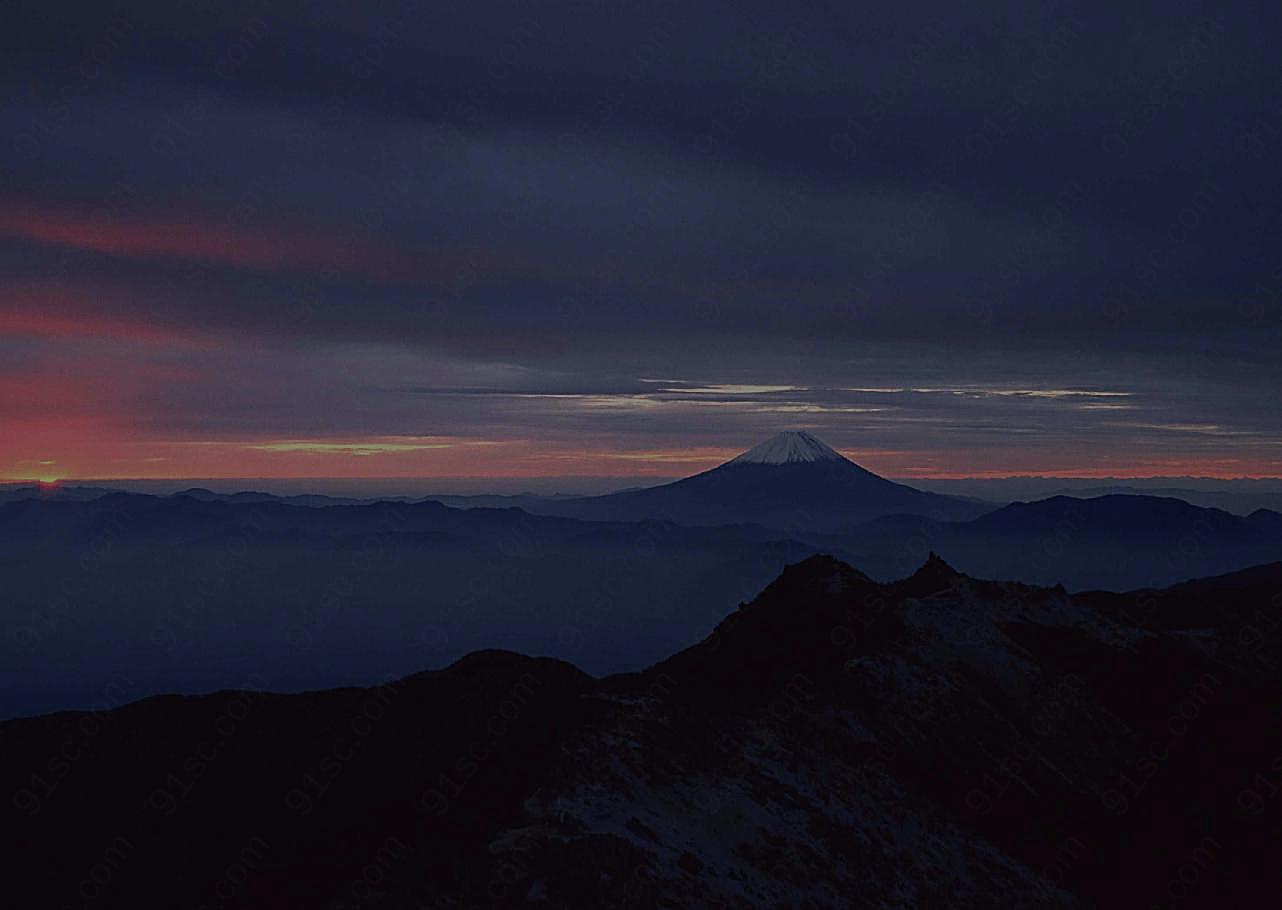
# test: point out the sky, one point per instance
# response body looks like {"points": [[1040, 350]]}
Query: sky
{"points": [[346, 239]]}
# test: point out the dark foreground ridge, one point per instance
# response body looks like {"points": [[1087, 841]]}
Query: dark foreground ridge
{"points": [[937, 741]]}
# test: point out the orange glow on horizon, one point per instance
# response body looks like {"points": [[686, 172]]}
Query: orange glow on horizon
{"points": [[90, 451]]}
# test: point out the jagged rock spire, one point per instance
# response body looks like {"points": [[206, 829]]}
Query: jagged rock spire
{"points": [[934, 575]]}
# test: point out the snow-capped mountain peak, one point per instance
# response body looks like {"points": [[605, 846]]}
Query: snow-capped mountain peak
{"points": [[787, 448]]}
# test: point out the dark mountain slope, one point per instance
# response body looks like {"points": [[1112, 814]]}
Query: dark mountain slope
{"points": [[1235, 619], [1269, 575], [938, 741], [131, 595], [252, 800]]}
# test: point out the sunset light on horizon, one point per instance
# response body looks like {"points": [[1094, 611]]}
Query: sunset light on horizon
{"points": [[220, 271]]}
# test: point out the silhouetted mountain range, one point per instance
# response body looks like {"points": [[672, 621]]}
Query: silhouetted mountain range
{"points": [[80, 493], [134, 594], [936, 741], [130, 594], [1239, 495], [1115, 542]]}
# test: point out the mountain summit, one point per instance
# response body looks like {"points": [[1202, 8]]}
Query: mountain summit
{"points": [[790, 482], [789, 447]]}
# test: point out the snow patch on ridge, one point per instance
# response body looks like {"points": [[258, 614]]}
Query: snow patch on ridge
{"points": [[787, 448]]}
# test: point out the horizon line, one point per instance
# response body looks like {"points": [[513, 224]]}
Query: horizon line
{"points": [[48, 481]]}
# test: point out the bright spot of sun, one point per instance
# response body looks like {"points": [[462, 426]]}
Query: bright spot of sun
{"points": [[49, 475]]}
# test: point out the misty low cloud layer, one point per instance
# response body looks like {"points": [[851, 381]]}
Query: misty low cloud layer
{"points": [[331, 239]]}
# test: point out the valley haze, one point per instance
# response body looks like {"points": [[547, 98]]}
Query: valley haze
{"points": [[306, 591]]}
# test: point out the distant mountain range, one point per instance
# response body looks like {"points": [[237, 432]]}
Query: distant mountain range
{"points": [[1239, 503], [127, 594], [1241, 496], [70, 492], [938, 741], [790, 482], [1116, 542], [131, 594]]}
